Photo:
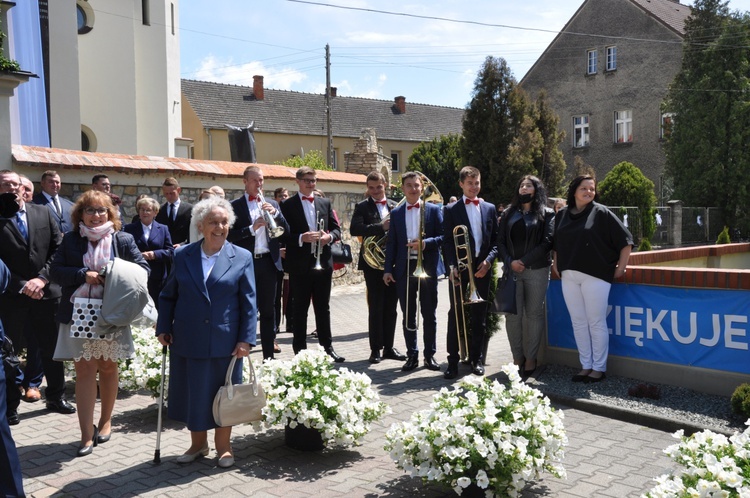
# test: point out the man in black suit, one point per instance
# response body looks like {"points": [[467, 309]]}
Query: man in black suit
{"points": [[282, 285], [27, 243], [311, 225], [251, 232], [371, 219], [480, 219], [175, 213], [50, 197]]}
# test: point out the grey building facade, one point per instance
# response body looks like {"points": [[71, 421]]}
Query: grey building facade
{"points": [[606, 74]]}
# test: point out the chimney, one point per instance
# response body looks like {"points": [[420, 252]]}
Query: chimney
{"points": [[258, 87], [401, 104], [333, 91]]}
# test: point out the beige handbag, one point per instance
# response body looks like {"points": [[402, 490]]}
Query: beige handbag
{"points": [[240, 403]]}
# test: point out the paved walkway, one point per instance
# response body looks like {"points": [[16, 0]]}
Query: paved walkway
{"points": [[605, 457]]}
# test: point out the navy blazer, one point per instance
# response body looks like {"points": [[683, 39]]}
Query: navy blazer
{"points": [[208, 319], [68, 270], [63, 220], [299, 259], [396, 252], [241, 235], [366, 222], [160, 242], [455, 215]]}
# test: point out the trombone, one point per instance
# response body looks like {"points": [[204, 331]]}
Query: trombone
{"points": [[317, 248], [273, 230], [462, 298]]}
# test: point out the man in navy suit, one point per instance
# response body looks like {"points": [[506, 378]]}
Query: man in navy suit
{"points": [[50, 197], [401, 258], [155, 244], [27, 243], [175, 213], [250, 232], [480, 220], [305, 213], [371, 219]]}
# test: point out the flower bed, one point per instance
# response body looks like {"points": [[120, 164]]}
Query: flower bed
{"points": [[482, 433]]}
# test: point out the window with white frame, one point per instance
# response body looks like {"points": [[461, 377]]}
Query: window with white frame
{"points": [[667, 122], [395, 163], [580, 131], [591, 62], [611, 58], [335, 159], [623, 126]]}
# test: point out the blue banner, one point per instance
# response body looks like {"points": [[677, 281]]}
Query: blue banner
{"points": [[705, 328]]}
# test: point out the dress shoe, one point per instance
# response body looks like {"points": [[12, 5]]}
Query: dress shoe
{"points": [[592, 380], [580, 376], [412, 362], [101, 439], [32, 394], [13, 417], [226, 462], [60, 406], [393, 354], [431, 364], [330, 352], [191, 457], [451, 372], [375, 357], [477, 368], [87, 450], [276, 347]]}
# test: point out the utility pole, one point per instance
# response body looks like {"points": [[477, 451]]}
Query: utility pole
{"points": [[329, 156]]}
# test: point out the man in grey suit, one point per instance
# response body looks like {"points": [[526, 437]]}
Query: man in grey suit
{"points": [[50, 197], [27, 243]]}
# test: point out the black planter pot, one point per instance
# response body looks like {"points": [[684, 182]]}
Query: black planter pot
{"points": [[473, 491], [303, 438]]}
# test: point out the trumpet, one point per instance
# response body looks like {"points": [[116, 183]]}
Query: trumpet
{"points": [[464, 262], [273, 230], [317, 248]]}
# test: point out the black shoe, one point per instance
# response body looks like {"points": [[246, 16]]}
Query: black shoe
{"points": [[13, 417], [412, 362], [87, 450], [477, 367], [592, 380], [60, 406], [393, 354], [375, 357], [330, 352], [431, 364], [103, 439], [452, 371]]}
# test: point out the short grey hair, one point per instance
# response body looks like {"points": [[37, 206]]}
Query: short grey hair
{"points": [[147, 201], [204, 207]]}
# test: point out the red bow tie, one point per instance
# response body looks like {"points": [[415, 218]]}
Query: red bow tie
{"points": [[256, 199], [475, 201], [381, 202], [308, 198], [413, 206]]}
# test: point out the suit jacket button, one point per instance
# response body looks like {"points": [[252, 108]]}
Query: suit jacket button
{"points": [[205, 321]]}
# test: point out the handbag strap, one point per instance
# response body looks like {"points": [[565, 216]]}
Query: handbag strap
{"points": [[228, 379]]}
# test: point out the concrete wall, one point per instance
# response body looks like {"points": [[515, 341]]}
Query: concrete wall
{"points": [[65, 100], [644, 71]]}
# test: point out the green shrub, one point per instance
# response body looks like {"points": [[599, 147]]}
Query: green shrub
{"points": [[724, 237], [741, 400], [645, 245]]}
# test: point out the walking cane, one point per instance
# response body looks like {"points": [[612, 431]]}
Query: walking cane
{"points": [[157, 451]]}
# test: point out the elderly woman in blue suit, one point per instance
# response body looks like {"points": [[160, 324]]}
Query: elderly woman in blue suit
{"points": [[207, 314]]}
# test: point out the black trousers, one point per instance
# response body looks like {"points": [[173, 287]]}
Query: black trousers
{"points": [[10, 466], [476, 320], [382, 314], [304, 286], [265, 295], [38, 318]]}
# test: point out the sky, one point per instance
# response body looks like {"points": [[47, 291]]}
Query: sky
{"points": [[428, 51]]}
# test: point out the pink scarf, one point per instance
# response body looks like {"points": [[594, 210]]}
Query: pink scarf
{"points": [[96, 257]]}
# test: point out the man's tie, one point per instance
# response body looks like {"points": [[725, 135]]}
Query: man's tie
{"points": [[470, 201], [416, 205], [308, 198], [171, 212], [22, 225], [56, 202]]}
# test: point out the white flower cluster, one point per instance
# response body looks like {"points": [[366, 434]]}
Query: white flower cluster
{"points": [[482, 433], [307, 390], [714, 466], [143, 371]]}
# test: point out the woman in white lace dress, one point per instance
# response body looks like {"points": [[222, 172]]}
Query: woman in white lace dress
{"points": [[76, 267]]}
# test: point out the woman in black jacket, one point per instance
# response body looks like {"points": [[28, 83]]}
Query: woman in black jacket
{"points": [[524, 242]]}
